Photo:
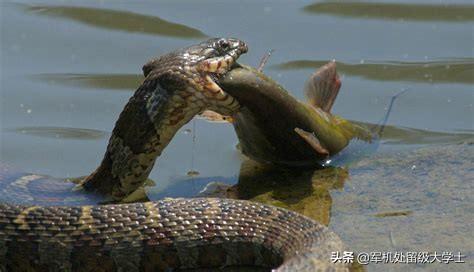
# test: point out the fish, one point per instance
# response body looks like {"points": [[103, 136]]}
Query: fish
{"points": [[274, 127]]}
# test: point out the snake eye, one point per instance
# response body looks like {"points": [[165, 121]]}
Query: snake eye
{"points": [[224, 44]]}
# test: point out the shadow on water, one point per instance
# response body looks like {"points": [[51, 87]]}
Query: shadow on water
{"points": [[61, 132], [449, 71], [118, 20], [395, 11], [128, 82]]}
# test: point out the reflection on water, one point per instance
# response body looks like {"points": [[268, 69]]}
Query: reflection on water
{"points": [[61, 132], [300, 189], [185, 186], [118, 20], [304, 191], [17, 187], [448, 71], [395, 11]]}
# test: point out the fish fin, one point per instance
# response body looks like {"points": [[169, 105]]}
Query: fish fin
{"points": [[311, 139], [215, 117], [323, 86]]}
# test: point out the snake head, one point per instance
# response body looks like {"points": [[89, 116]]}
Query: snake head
{"points": [[219, 54], [195, 70], [214, 56]]}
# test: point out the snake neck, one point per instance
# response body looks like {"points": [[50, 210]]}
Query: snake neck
{"points": [[145, 127], [177, 86], [157, 110]]}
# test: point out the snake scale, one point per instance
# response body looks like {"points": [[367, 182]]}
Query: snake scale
{"points": [[165, 235]]}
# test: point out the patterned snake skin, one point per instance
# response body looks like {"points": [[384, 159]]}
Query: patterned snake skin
{"points": [[167, 235], [177, 86]]}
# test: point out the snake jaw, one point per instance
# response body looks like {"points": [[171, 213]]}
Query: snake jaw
{"points": [[211, 69], [212, 86], [221, 58], [218, 65]]}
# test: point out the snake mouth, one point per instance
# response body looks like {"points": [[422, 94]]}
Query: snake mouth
{"points": [[219, 65], [215, 67], [218, 77]]}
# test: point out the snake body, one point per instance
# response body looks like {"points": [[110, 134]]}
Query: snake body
{"points": [[167, 235]]}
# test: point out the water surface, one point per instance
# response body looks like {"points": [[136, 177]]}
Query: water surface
{"points": [[68, 69]]}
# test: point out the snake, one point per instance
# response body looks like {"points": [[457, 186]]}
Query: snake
{"points": [[78, 232]]}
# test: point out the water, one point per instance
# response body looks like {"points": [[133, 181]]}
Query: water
{"points": [[67, 70]]}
